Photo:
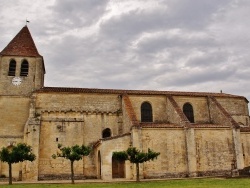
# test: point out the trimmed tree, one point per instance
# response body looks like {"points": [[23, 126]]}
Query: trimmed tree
{"points": [[15, 154], [136, 156], [73, 153]]}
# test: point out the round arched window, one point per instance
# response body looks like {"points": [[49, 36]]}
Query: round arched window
{"points": [[106, 133], [146, 112], [189, 112]]}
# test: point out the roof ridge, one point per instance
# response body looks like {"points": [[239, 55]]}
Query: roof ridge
{"points": [[21, 45], [125, 91]]}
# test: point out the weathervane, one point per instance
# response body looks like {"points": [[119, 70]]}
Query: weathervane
{"points": [[27, 21]]}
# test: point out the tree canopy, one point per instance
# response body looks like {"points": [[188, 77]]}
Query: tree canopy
{"points": [[73, 153], [15, 154], [136, 156]]}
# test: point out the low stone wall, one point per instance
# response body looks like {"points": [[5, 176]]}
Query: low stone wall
{"points": [[166, 175], [63, 177], [223, 173], [7, 179]]}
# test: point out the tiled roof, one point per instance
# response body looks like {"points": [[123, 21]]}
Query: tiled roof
{"points": [[130, 110], [134, 92], [96, 144], [159, 125], [225, 113], [192, 125], [245, 129], [182, 116], [115, 137], [21, 45]]}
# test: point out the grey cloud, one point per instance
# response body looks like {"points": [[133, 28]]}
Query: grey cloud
{"points": [[131, 24], [78, 13], [209, 53], [166, 41], [194, 14], [193, 77]]}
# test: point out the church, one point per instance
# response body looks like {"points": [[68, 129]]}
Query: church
{"points": [[197, 133]]}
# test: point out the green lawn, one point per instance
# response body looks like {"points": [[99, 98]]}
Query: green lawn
{"points": [[188, 183]]}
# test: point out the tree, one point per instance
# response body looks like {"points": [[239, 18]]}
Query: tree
{"points": [[136, 156], [15, 154], [73, 153]]}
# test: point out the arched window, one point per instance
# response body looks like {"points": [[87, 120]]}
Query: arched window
{"points": [[12, 68], [106, 133], [146, 112], [24, 68], [188, 111]]}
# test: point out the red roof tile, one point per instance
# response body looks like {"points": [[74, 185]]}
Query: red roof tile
{"points": [[245, 129], [159, 125], [130, 110], [21, 45], [192, 125], [184, 120]]}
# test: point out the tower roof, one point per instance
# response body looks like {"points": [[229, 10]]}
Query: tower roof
{"points": [[21, 45]]}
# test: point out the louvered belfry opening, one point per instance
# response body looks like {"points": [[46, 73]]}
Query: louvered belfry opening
{"points": [[24, 68], [12, 68]]}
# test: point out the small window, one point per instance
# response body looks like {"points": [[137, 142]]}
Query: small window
{"points": [[24, 68], [12, 68], [106, 133], [188, 111], [146, 112]]}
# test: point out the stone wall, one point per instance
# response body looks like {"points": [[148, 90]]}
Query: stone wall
{"points": [[74, 119], [14, 114], [34, 80], [237, 108], [106, 149], [158, 104], [214, 151], [84, 102], [245, 143], [207, 147], [172, 161], [200, 107]]}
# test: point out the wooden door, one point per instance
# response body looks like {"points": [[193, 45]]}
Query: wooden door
{"points": [[118, 168]]}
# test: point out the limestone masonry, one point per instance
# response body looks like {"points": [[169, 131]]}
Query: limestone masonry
{"points": [[197, 133]]}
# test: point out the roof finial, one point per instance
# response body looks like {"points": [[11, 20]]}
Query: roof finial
{"points": [[27, 21]]}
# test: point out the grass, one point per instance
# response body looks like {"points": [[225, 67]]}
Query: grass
{"points": [[185, 183]]}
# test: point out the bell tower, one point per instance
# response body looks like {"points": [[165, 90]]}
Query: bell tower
{"points": [[21, 66]]}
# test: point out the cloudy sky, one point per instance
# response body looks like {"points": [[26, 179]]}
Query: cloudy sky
{"points": [[181, 45]]}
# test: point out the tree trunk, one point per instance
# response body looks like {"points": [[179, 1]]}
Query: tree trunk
{"points": [[10, 174], [72, 172], [137, 172]]}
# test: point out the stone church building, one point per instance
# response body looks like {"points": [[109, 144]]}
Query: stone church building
{"points": [[197, 133]]}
